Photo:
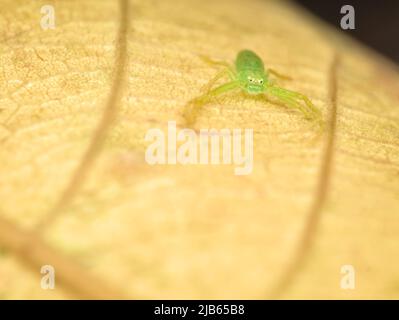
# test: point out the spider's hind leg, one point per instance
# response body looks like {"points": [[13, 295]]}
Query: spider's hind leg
{"points": [[212, 61], [278, 74]]}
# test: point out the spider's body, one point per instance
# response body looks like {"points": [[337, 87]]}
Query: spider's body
{"points": [[250, 75], [250, 72]]}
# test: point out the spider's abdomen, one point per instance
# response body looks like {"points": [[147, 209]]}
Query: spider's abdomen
{"points": [[248, 60]]}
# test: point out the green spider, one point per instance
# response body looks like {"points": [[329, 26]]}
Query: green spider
{"points": [[250, 76]]}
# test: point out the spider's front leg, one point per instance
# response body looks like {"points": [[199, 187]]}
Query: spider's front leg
{"points": [[293, 99], [227, 71], [193, 107], [221, 74]]}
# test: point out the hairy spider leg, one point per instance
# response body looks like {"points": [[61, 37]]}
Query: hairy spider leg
{"points": [[208, 96], [278, 74], [191, 113], [192, 110], [221, 74], [292, 98], [213, 62], [228, 70]]}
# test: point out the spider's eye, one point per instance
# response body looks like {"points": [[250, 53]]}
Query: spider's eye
{"points": [[261, 81]]}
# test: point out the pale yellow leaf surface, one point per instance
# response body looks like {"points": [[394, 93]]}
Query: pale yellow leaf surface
{"points": [[77, 193]]}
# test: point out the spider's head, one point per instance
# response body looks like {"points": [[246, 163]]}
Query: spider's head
{"points": [[254, 83]]}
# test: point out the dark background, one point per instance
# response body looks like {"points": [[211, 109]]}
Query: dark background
{"points": [[376, 22]]}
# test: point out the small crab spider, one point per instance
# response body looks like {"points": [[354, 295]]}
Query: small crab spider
{"points": [[249, 75]]}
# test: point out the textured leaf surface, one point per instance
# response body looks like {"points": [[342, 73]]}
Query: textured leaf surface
{"points": [[76, 102]]}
